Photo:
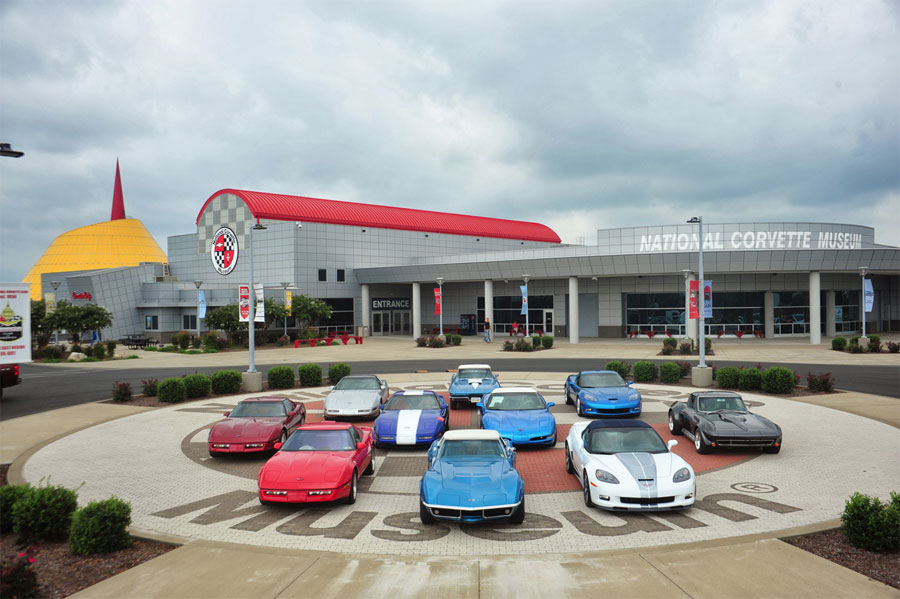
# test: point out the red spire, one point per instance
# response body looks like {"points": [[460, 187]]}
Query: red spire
{"points": [[118, 207]]}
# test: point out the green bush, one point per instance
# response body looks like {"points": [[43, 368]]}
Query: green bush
{"points": [[171, 390], [708, 343], [875, 343], [871, 525], [669, 372], [226, 381], [644, 371], [820, 383], [457, 339], [508, 346], [181, 339], [280, 377], [166, 348], [524, 344], [670, 342], [43, 514], [17, 576], [668, 350], [53, 352], [684, 348], [97, 351], [121, 391], [617, 366], [435, 342], [854, 340], [101, 527], [685, 368], [750, 379], [839, 343], [310, 375], [196, 385], [337, 371], [9, 495], [547, 341], [77, 349], [111, 348], [778, 379], [209, 340], [535, 341], [149, 387], [727, 377]]}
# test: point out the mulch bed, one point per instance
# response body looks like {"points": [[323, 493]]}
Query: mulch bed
{"points": [[833, 545]]}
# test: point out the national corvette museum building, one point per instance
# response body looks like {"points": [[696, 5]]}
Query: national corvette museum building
{"points": [[377, 267]]}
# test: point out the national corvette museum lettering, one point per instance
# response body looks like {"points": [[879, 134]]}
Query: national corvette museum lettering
{"points": [[224, 251], [753, 240]]}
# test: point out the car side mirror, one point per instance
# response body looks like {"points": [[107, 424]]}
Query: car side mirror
{"points": [[480, 406], [672, 443], [628, 383], [227, 413], [361, 445], [550, 404], [277, 446]]}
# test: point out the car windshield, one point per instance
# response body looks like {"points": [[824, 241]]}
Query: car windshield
{"points": [[474, 373], [722, 404], [601, 379], [624, 440], [355, 384], [312, 440], [258, 409], [515, 401], [413, 402], [472, 448]]}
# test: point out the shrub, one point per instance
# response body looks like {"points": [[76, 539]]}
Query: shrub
{"points": [[820, 383], [283, 340], [455, 339], [750, 379], [421, 341], [839, 343], [226, 381], [310, 375], [708, 343], [617, 366], [43, 514], [196, 342], [871, 525], [856, 349], [547, 342], [854, 340], [77, 349], [98, 351], [280, 377], [669, 372], [535, 341], [337, 371], [671, 342], [111, 348], [645, 372], [165, 348], [874, 343], [181, 339], [53, 352], [209, 339], [524, 345], [684, 348], [196, 385], [271, 336], [668, 350], [101, 527], [893, 347], [121, 391], [727, 377], [9, 495], [685, 368], [171, 390], [508, 346], [778, 379], [151, 348], [222, 343], [435, 342], [17, 576], [149, 387]]}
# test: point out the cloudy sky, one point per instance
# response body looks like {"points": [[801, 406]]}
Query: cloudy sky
{"points": [[578, 115]]}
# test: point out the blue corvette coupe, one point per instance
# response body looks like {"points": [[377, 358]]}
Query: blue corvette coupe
{"points": [[411, 418], [602, 393], [470, 383], [519, 414], [471, 477]]}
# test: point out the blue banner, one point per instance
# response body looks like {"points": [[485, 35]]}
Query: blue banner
{"points": [[869, 294], [524, 299], [201, 304], [707, 299]]}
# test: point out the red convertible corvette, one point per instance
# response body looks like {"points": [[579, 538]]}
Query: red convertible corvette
{"points": [[319, 462], [256, 424]]}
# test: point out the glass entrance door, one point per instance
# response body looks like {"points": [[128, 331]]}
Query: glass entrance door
{"points": [[381, 323], [548, 322]]}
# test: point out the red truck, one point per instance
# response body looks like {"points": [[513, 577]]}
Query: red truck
{"points": [[9, 376]]}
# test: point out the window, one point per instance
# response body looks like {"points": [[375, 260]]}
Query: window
{"points": [[340, 275], [323, 276], [151, 323], [189, 322]]}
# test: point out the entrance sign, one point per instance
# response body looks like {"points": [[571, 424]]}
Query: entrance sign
{"points": [[15, 322], [244, 303], [392, 303], [224, 251]]}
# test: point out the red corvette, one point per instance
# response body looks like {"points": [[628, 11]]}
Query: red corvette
{"points": [[256, 424], [319, 462]]}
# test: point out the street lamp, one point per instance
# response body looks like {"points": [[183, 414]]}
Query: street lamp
{"points": [[285, 286], [525, 300], [440, 282], [197, 285], [252, 323], [6, 150], [55, 285], [701, 308], [862, 304]]}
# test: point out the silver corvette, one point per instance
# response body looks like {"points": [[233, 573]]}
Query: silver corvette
{"points": [[356, 397]]}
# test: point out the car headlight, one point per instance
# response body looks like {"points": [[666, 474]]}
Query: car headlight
{"points": [[605, 477], [681, 476]]}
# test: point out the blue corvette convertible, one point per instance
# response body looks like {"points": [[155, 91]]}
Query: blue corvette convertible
{"points": [[471, 477], [411, 418], [519, 414], [470, 383], [602, 393]]}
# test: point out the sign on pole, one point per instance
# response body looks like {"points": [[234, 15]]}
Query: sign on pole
{"points": [[707, 299], [524, 289], [437, 300], [260, 315], [869, 293], [693, 311], [287, 301], [201, 304], [244, 302], [15, 322]]}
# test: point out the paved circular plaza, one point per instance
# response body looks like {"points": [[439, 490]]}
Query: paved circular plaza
{"points": [[158, 461]]}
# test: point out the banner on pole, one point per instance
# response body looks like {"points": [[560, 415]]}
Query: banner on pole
{"points": [[524, 289], [869, 294], [287, 302], [707, 299], [260, 315], [437, 300], [244, 302], [201, 304], [694, 291]]}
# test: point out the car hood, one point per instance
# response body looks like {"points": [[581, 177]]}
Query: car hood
{"points": [[472, 482], [360, 399], [426, 421], [517, 420], [738, 424], [246, 430], [474, 384], [610, 393], [638, 465], [285, 467]]}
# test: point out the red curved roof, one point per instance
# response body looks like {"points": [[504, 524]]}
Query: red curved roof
{"points": [[273, 206]]}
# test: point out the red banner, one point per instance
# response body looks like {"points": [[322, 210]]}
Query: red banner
{"points": [[692, 299], [437, 300]]}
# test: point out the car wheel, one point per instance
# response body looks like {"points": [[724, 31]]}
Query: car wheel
{"points": [[569, 467], [370, 469], [674, 427], [424, 515], [773, 449], [578, 407], [588, 502], [351, 498], [519, 515], [699, 444]]}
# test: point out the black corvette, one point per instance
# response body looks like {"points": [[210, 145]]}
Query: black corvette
{"points": [[720, 419]]}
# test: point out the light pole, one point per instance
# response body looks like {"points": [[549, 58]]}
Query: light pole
{"points": [[55, 285], [197, 285], [251, 327], [701, 301], [862, 304], [440, 282], [525, 299], [285, 286]]}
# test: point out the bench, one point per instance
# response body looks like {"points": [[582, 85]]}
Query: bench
{"points": [[138, 341]]}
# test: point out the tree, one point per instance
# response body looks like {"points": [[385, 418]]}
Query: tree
{"points": [[78, 319], [309, 310], [225, 319], [40, 330], [274, 311]]}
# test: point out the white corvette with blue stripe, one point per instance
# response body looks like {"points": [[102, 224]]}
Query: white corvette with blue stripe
{"points": [[411, 418], [625, 465]]}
